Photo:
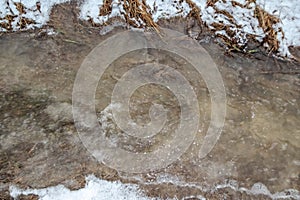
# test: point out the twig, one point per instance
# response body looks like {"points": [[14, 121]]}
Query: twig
{"points": [[280, 72], [71, 41]]}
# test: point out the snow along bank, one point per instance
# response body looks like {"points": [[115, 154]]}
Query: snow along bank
{"points": [[97, 189], [234, 20]]}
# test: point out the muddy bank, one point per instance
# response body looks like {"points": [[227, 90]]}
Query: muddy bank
{"points": [[40, 147]]}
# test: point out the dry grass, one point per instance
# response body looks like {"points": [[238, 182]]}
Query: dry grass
{"points": [[195, 12], [211, 2], [138, 14], [23, 22], [267, 22], [106, 8]]}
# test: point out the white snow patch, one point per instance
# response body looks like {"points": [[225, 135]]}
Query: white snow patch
{"points": [[243, 17], [287, 11], [256, 189], [167, 9], [90, 10], [260, 189], [95, 189], [40, 16], [160, 9], [289, 14]]}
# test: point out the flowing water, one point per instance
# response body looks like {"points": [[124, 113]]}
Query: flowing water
{"points": [[257, 155]]}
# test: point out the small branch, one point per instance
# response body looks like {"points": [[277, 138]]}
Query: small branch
{"points": [[280, 72]]}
